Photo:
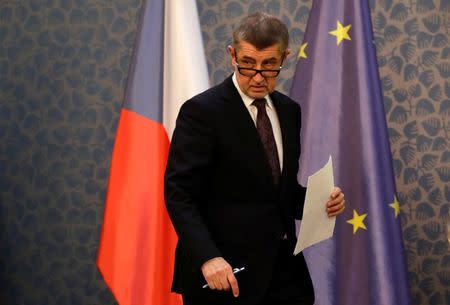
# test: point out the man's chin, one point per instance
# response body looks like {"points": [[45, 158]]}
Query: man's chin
{"points": [[258, 94]]}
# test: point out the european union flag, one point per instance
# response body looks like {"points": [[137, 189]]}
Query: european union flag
{"points": [[337, 85]]}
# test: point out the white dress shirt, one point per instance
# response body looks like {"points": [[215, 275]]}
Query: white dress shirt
{"points": [[271, 113]]}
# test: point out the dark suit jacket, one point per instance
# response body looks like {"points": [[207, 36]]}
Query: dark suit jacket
{"points": [[220, 194]]}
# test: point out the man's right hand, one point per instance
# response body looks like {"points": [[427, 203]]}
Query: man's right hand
{"points": [[219, 275]]}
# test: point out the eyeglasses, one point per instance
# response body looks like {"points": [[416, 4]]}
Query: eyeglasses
{"points": [[250, 72]]}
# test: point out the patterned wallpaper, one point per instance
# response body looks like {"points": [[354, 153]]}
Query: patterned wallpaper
{"points": [[413, 44], [63, 66], [62, 70]]}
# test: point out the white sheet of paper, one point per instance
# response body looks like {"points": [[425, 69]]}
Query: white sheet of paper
{"points": [[316, 225]]}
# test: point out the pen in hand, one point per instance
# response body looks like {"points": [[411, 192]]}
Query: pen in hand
{"points": [[235, 271]]}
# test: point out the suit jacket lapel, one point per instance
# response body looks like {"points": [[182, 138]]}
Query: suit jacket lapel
{"points": [[248, 136], [286, 134]]}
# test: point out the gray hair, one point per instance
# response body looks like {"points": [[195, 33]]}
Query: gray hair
{"points": [[261, 30]]}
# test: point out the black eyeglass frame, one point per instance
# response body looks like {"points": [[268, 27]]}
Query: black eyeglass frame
{"points": [[256, 71]]}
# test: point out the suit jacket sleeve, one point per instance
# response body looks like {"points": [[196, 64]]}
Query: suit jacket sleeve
{"points": [[301, 191], [186, 179]]}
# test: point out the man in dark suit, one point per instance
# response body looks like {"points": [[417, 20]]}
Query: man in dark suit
{"points": [[231, 181]]}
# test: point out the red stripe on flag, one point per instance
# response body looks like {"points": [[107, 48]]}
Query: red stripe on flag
{"points": [[138, 241]]}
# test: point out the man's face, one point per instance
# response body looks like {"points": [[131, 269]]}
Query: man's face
{"points": [[247, 56]]}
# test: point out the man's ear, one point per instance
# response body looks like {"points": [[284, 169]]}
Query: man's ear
{"points": [[287, 52], [232, 54]]}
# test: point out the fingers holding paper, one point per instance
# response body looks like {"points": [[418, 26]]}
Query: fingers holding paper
{"points": [[336, 203]]}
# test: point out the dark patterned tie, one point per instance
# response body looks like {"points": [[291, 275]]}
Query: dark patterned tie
{"points": [[268, 140]]}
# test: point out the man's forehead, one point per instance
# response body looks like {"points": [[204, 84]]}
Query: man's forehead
{"points": [[266, 53]]}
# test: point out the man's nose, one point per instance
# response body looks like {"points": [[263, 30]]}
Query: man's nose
{"points": [[258, 77]]}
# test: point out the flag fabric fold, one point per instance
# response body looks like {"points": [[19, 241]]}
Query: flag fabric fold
{"points": [[337, 84], [137, 244]]}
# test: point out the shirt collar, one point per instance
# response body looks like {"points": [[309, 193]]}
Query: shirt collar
{"points": [[246, 99]]}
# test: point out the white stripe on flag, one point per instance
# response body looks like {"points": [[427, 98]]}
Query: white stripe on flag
{"points": [[185, 70]]}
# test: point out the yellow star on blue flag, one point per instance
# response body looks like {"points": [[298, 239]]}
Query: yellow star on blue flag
{"points": [[341, 32], [302, 52], [396, 206], [357, 221]]}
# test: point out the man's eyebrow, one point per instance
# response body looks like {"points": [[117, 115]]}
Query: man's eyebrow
{"points": [[270, 58], [264, 60], [248, 58]]}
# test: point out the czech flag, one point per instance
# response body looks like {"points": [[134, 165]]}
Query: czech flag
{"points": [[137, 245]]}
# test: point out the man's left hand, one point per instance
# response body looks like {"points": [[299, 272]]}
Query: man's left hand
{"points": [[336, 204]]}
